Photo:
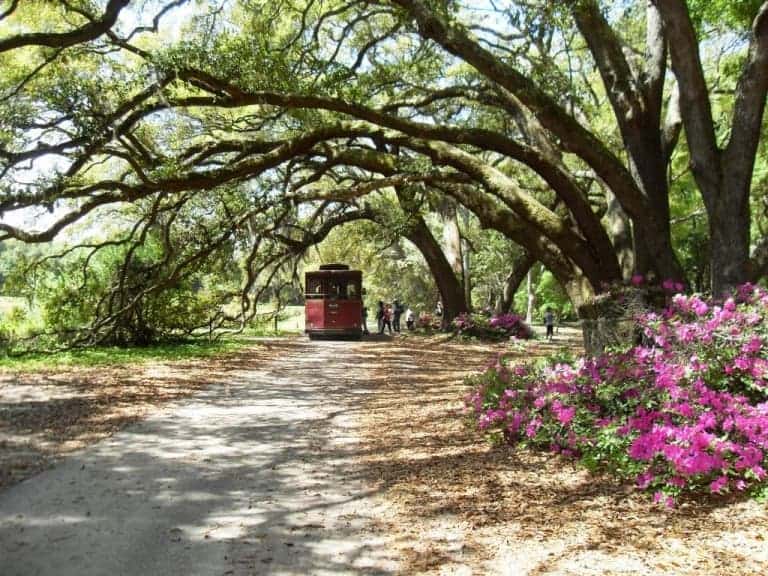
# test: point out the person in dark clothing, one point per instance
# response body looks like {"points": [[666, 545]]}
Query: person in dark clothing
{"points": [[549, 322], [365, 319], [386, 321], [397, 311], [380, 317]]}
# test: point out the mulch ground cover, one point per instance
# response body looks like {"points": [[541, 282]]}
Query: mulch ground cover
{"points": [[465, 506]]}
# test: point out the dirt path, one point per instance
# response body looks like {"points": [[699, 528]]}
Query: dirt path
{"points": [[344, 458], [261, 476]]}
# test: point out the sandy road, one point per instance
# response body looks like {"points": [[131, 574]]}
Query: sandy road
{"points": [[256, 477]]}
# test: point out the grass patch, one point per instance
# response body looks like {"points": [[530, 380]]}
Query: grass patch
{"points": [[116, 356], [290, 321]]}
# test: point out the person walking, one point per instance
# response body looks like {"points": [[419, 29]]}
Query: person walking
{"points": [[410, 319], [365, 319], [549, 322], [380, 317], [397, 311], [386, 320]]}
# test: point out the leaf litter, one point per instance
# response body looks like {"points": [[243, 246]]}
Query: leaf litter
{"points": [[467, 507], [49, 413], [457, 504]]}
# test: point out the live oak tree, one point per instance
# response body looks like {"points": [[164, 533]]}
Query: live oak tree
{"points": [[723, 174], [286, 116]]}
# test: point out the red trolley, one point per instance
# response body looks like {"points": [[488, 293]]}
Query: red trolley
{"points": [[333, 301]]}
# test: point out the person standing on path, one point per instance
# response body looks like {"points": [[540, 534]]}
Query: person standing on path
{"points": [[410, 319], [365, 319], [380, 317], [397, 311], [386, 320], [549, 322]]}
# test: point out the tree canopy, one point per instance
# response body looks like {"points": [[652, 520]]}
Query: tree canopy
{"points": [[170, 140]]}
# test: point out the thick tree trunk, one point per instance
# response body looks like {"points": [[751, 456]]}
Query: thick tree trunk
{"points": [[723, 175], [653, 247], [466, 257], [451, 290], [758, 266], [729, 242], [579, 291], [452, 237], [652, 231], [512, 282], [620, 231], [637, 108], [531, 296], [438, 260], [455, 248], [466, 273]]}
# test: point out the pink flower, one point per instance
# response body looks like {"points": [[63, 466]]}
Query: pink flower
{"points": [[642, 354], [637, 280], [691, 409], [743, 363], [515, 422], [678, 481], [746, 291], [658, 497], [759, 472], [647, 445], [719, 484], [749, 456], [707, 420], [684, 409], [566, 414], [644, 480], [699, 307], [752, 319], [760, 368], [753, 346], [533, 427]]}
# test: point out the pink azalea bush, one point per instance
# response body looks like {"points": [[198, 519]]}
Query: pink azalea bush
{"points": [[492, 326], [511, 324], [463, 322], [426, 321], [685, 411]]}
